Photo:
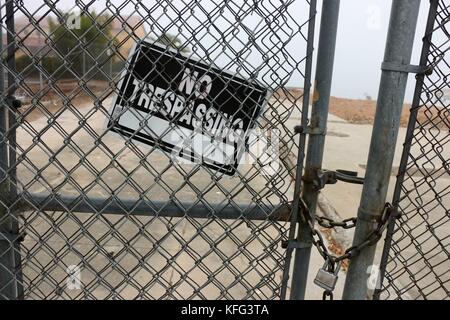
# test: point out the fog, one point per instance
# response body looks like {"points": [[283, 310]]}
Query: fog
{"points": [[361, 40]]}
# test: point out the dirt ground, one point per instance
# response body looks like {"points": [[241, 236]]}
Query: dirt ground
{"points": [[358, 111]]}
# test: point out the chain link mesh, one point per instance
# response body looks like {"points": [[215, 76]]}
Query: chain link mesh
{"points": [[127, 220], [418, 263]]}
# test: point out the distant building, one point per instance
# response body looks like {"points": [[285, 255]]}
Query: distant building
{"points": [[31, 40], [127, 32]]}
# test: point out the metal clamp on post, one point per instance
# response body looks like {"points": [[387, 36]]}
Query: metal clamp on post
{"points": [[321, 178], [324, 177], [349, 176], [294, 244], [310, 131], [406, 68]]}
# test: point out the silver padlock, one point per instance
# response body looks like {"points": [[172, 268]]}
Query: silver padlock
{"points": [[325, 278]]}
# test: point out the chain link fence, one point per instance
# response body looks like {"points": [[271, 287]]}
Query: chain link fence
{"points": [[416, 260], [85, 213]]}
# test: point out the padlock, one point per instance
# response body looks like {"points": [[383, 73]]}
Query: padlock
{"points": [[327, 279]]}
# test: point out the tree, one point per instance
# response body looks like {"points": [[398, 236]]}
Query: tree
{"points": [[92, 38], [173, 41], [368, 96]]}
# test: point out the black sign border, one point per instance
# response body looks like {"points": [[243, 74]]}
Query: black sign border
{"points": [[147, 140]]}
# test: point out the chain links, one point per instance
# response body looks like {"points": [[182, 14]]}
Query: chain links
{"points": [[370, 240], [328, 223], [327, 295], [319, 243]]}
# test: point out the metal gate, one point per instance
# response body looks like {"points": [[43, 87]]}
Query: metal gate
{"points": [[88, 214], [416, 259]]}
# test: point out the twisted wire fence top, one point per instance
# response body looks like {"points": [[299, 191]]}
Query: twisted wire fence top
{"points": [[61, 153], [419, 261]]}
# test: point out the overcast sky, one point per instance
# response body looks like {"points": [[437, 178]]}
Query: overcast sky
{"points": [[361, 40], [360, 44]]}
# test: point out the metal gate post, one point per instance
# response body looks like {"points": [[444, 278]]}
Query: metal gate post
{"points": [[427, 40], [319, 116], [6, 282], [10, 260], [3, 118], [399, 44]]}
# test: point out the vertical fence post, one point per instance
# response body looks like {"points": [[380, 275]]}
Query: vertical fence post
{"points": [[10, 260], [14, 104], [427, 40], [319, 116], [6, 288], [301, 144], [3, 118], [399, 44]]}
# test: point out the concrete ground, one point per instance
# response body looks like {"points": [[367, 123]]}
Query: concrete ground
{"points": [[156, 258]]}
